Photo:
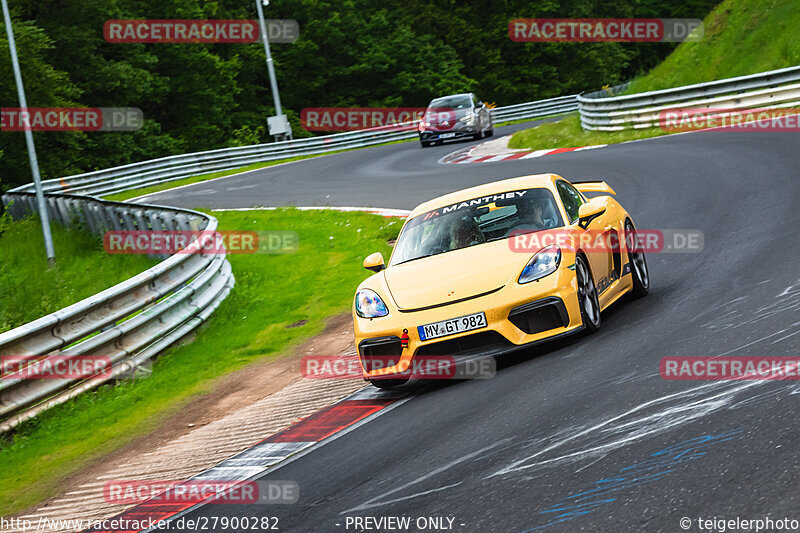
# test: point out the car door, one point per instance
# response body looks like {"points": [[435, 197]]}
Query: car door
{"points": [[600, 263]]}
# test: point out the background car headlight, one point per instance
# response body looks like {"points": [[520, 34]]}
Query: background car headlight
{"points": [[544, 262], [469, 120], [369, 304]]}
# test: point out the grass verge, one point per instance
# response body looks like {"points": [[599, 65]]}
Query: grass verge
{"points": [[741, 37], [271, 292], [568, 133], [30, 289]]}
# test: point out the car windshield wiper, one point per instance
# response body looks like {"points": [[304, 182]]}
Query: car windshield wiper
{"points": [[413, 259]]}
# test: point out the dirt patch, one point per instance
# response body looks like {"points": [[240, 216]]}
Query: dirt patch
{"points": [[228, 394]]}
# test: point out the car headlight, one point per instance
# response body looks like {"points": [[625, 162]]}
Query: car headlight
{"points": [[469, 120], [423, 125], [369, 304], [543, 263]]}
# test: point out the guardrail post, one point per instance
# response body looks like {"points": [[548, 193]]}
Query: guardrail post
{"points": [[63, 212], [141, 223], [129, 223], [113, 218]]}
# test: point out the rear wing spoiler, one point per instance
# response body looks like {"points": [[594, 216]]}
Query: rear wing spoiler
{"points": [[593, 186]]}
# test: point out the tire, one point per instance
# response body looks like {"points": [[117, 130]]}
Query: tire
{"points": [[639, 270], [477, 136], [587, 296], [388, 383], [490, 132], [424, 144]]}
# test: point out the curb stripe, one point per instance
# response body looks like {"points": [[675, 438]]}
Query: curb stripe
{"points": [[463, 156], [292, 442], [516, 156], [562, 150], [331, 420]]}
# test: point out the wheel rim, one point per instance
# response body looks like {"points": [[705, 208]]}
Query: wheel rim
{"points": [[587, 293], [637, 259]]}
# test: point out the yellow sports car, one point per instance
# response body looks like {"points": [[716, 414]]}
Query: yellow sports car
{"points": [[495, 268]]}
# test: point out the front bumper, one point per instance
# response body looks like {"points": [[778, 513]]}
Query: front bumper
{"points": [[459, 131], [516, 316]]}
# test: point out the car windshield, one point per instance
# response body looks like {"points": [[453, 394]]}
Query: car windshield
{"points": [[477, 221], [451, 102]]}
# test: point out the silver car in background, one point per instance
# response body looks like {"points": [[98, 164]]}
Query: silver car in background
{"points": [[457, 116]]}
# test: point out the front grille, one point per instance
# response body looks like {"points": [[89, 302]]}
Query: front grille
{"points": [[539, 316], [483, 343], [381, 352]]}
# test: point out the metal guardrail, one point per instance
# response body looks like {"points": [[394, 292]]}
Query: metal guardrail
{"points": [[767, 90], [157, 171], [129, 323]]}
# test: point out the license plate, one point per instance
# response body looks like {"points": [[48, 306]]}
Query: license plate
{"points": [[452, 326], [447, 135]]}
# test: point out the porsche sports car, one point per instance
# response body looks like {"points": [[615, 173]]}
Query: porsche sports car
{"points": [[454, 117], [496, 268]]}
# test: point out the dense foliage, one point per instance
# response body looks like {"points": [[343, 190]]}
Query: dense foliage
{"points": [[350, 53]]}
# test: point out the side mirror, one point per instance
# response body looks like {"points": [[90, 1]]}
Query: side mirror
{"points": [[590, 211], [375, 262]]}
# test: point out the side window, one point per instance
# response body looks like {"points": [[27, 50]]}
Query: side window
{"points": [[571, 199]]}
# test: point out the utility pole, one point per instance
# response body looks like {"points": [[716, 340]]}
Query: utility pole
{"points": [[278, 125], [37, 181]]}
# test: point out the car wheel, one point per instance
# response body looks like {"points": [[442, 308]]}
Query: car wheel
{"points": [[587, 296], [424, 144], [639, 272], [476, 136], [388, 383], [490, 132]]}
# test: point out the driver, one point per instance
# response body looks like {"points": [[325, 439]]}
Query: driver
{"points": [[464, 232], [536, 214]]}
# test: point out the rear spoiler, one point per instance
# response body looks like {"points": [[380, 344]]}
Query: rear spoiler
{"points": [[593, 186]]}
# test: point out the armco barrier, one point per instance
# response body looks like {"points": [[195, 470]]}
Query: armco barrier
{"points": [[146, 173], [128, 323], [767, 90]]}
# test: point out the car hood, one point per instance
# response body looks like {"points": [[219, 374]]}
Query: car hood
{"points": [[452, 276], [437, 117]]}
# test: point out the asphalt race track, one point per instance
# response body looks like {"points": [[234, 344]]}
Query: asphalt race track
{"points": [[583, 435]]}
